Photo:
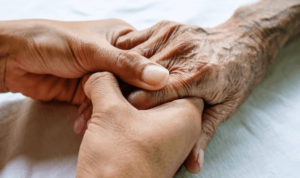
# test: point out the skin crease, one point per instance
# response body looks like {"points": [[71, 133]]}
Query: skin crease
{"points": [[131, 142], [222, 65], [46, 59]]}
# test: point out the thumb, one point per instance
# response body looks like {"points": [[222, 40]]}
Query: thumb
{"points": [[103, 90], [130, 66], [212, 117], [143, 99]]}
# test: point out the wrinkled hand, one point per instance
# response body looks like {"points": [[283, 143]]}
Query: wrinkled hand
{"points": [[221, 65], [121, 141], [46, 59]]}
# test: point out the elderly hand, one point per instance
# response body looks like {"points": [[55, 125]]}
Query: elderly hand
{"points": [[121, 141], [220, 65], [44, 59]]}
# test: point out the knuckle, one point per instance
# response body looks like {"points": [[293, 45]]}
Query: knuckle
{"points": [[180, 86], [194, 29], [111, 108], [108, 118], [165, 22], [208, 128], [169, 24], [161, 96], [127, 61], [123, 42], [210, 123], [107, 111], [142, 50], [98, 78], [86, 51]]}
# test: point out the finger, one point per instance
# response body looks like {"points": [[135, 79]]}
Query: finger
{"points": [[86, 109], [177, 85], [80, 124], [145, 99], [148, 47], [125, 88], [104, 91], [133, 39], [129, 66], [150, 41], [212, 117], [47, 87], [86, 102]]}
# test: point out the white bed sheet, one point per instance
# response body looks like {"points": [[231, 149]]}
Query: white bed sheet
{"points": [[261, 140]]}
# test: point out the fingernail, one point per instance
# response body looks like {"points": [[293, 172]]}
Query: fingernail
{"points": [[140, 100], [200, 158], [79, 124], [154, 75]]}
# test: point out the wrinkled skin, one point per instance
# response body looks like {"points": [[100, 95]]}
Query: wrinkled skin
{"points": [[135, 143], [46, 59], [202, 63], [222, 65]]}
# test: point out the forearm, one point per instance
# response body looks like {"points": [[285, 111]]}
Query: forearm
{"points": [[260, 30], [269, 23]]}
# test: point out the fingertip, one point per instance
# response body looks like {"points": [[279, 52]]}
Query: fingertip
{"points": [[79, 125], [87, 102], [138, 71], [194, 161], [141, 100], [155, 76]]}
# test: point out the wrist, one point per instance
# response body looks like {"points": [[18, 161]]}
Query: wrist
{"points": [[268, 23], [106, 159], [121, 168]]}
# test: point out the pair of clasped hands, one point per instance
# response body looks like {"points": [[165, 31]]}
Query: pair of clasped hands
{"points": [[141, 92]]}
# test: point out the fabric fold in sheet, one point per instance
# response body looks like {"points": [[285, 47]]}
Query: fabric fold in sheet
{"points": [[261, 139]]}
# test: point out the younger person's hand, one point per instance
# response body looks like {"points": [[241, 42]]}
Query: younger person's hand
{"points": [[121, 141], [45, 59]]}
